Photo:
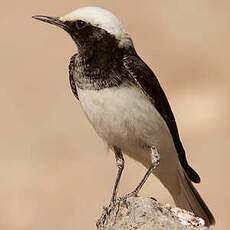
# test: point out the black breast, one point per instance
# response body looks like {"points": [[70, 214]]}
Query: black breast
{"points": [[99, 63]]}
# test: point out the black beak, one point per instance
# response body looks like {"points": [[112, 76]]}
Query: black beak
{"points": [[52, 20]]}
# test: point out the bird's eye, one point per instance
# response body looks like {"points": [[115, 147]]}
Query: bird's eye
{"points": [[80, 24]]}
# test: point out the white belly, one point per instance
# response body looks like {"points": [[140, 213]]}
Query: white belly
{"points": [[124, 117]]}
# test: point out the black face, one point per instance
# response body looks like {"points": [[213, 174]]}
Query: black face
{"points": [[91, 41]]}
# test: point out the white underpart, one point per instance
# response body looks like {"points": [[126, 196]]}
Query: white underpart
{"points": [[124, 117], [100, 18]]}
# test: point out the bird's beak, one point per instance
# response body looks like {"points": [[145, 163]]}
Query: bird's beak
{"points": [[52, 20]]}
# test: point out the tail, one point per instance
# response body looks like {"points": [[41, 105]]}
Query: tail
{"points": [[189, 199]]}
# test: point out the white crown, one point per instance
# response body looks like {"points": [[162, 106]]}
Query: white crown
{"points": [[100, 18]]}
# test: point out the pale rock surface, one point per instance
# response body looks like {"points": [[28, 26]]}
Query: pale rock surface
{"points": [[147, 214]]}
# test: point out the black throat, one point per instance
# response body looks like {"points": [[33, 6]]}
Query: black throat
{"points": [[99, 63]]}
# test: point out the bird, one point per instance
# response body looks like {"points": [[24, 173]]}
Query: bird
{"points": [[126, 105]]}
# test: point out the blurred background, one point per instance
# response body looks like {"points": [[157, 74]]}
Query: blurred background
{"points": [[55, 172]]}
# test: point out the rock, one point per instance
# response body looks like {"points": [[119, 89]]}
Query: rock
{"points": [[146, 213]]}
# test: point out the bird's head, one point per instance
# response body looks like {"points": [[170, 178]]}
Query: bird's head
{"points": [[92, 28]]}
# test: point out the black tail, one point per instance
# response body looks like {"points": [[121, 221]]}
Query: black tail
{"points": [[190, 199]]}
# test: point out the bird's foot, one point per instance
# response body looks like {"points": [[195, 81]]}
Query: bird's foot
{"points": [[107, 209], [131, 194]]}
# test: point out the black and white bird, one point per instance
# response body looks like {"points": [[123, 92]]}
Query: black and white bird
{"points": [[126, 105]]}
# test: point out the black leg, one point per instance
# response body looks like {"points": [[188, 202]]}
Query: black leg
{"points": [[120, 164], [155, 157]]}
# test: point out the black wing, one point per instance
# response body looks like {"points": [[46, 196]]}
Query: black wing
{"points": [[149, 84], [71, 71]]}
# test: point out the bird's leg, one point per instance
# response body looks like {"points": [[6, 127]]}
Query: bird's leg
{"points": [[120, 164], [155, 158]]}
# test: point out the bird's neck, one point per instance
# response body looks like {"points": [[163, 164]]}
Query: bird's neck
{"points": [[103, 53], [102, 69]]}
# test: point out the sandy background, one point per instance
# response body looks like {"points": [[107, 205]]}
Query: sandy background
{"points": [[54, 171]]}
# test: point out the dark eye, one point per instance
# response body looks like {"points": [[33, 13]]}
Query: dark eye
{"points": [[80, 24]]}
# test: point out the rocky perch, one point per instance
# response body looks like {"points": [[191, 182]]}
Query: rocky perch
{"points": [[147, 214]]}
